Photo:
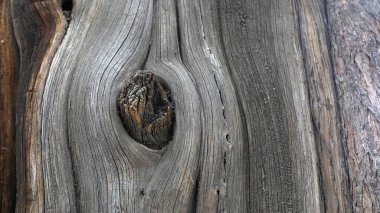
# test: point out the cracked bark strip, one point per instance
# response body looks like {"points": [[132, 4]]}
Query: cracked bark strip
{"points": [[146, 110]]}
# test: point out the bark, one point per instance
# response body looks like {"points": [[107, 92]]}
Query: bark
{"points": [[355, 45], [276, 106]]}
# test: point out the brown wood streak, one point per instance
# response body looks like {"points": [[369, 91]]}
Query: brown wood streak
{"points": [[8, 65], [51, 25], [324, 112]]}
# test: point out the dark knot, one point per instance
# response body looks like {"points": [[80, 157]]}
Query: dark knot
{"points": [[146, 109]]}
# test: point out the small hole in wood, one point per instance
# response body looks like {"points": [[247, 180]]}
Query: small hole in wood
{"points": [[67, 7], [146, 109]]}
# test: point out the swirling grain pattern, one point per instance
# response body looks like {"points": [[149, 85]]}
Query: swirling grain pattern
{"points": [[204, 166], [261, 115]]}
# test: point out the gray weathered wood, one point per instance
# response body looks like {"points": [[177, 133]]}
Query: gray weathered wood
{"points": [[276, 105]]}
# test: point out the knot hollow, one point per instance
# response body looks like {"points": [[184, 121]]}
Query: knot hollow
{"points": [[146, 109]]}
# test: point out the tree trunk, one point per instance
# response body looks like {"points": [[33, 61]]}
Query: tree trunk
{"points": [[243, 106]]}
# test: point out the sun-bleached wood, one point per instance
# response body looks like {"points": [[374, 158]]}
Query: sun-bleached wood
{"points": [[276, 105]]}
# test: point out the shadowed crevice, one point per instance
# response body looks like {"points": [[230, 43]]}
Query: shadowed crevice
{"points": [[67, 7]]}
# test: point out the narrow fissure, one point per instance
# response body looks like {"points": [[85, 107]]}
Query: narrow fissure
{"points": [[227, 136], [178, 30], [223, 110], [246, 146], [224, 165], [195, 193], [343, 147], [218, 199], [72, 160]]}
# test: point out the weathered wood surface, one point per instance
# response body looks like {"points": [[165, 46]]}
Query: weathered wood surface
{"points": [[38, 28], [8, 67], [276, 105], [324, 107]]}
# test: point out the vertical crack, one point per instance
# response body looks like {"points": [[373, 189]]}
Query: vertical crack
{"points": [[316, 126], [72, 161], [343, 147], [178, 29], [243, 120], [227, 136], [195, 193]]}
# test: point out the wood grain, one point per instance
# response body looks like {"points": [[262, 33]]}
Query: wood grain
{"points": [[276, 105], [80, 97], [38, 31], [8, 69], [223, 174], [324, 106], [259, 37]]}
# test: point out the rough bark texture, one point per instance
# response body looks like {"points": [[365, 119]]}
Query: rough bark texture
{"points": [[355, 50], [276, 106]]}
